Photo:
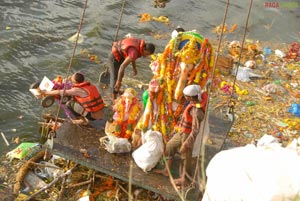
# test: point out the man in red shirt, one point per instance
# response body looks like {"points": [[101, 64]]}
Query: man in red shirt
{"points": [[125, 52]]}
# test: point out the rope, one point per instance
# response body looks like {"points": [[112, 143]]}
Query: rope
{"points": [[120, 19], [207, 105], [74, 50], [117, 31], [242, 47], [71, 60]]}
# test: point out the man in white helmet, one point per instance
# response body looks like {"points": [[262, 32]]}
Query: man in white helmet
{"points": [[189, 128]]}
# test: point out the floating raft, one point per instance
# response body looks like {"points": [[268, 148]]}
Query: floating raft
{"points": [[70, 139]]}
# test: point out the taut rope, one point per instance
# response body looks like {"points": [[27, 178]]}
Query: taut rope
{"points": [[117, 31], [71, 60], [240, 54], [231, 101], [207, 105], [120, 19]]}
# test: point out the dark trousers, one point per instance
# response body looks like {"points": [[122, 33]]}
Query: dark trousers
{"points": [[114, 67], [173, 146]]}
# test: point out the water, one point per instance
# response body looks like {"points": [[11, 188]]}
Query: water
{"points": [[33, 43]]}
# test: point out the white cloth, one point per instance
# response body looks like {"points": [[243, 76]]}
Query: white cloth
{"points": [[268, 172], [196, 149], [192, 90]]}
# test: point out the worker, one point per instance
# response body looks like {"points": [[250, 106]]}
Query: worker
{"points": [[123, 53], [189, 127], [87, 101]]}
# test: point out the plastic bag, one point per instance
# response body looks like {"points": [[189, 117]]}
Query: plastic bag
{"points": [[24, 151], [243, 73], [50, 171], [32, 182], [149, 154], [115, 144]]}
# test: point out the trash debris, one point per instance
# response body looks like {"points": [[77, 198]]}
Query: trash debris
{"points": [[279, 53], [24, 151], [4, 138], [32, 183], [74, 38], [250, 64], [271, 88], [295, 109], [48, 170]]}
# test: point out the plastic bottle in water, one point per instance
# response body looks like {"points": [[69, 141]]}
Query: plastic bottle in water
{"points": [[267, 51]]}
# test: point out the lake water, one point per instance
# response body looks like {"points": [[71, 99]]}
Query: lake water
{"points": [[34, 33]]}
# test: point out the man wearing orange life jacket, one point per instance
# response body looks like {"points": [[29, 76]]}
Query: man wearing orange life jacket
{"points": [[189, 128], [87, 99], [123, 53]]}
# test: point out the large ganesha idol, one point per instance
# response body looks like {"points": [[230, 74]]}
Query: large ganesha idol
{"points": [[127, 111], [187, 59]]}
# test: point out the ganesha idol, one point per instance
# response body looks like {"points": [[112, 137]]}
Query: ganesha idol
{"points": [[127, 111], [187, 59]]}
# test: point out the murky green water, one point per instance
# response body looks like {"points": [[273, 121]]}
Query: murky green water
{"points": [[34, 33]]}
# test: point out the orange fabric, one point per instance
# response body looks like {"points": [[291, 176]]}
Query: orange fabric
{"points": [[93, 102], [185, 124], [119, 48], [204, 97]]}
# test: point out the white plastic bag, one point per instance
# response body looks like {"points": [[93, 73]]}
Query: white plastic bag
{"points": [[243, 73], [115, 144], [149, 154], [50, 171]]}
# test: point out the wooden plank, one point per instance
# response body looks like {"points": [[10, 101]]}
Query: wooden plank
{"points": [[71, 138]]}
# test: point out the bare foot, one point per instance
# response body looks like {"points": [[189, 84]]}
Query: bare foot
{"points": [[79, 121], [162, 172], [180, 182]]}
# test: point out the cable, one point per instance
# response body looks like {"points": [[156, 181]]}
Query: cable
{"points": [[207, 105]]}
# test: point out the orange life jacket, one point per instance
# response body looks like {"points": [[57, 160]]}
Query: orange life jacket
{"points": [[119, 48], [93, 102], [185, 124]]}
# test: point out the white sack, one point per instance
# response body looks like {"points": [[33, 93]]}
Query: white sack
{"points": [[150, 152], [115, 145], [250, 173]]}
